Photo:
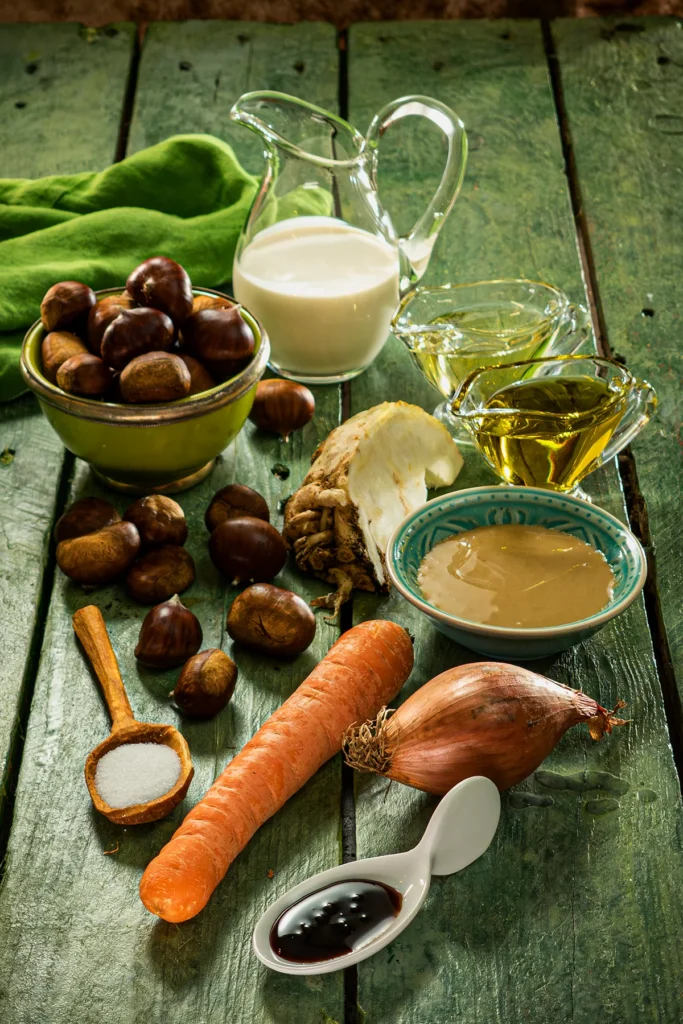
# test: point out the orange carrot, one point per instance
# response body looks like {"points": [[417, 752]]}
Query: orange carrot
{"points": [[362, 672]]}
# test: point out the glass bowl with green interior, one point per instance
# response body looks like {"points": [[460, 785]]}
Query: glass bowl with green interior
{"points": [[161, 448]]}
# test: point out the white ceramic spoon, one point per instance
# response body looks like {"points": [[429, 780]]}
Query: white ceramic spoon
{"points": [[460, 830]]}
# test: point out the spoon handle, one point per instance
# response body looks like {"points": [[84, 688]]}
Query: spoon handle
{"points": [[92, 632]]}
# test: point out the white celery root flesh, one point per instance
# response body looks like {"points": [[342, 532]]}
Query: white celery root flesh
{"points": [[365, 478]]}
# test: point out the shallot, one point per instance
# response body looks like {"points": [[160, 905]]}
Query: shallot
{"points": [[487, 719]]}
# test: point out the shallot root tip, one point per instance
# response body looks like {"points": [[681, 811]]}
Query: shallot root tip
{"points": [[365, 746], [605, 721]]}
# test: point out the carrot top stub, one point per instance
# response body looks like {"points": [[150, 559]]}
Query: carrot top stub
{"points": [[363, 671]]}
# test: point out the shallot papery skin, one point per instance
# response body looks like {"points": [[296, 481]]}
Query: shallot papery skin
{"points": [[490, 719]]}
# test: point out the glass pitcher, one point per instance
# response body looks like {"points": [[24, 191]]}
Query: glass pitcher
{"points": [[319, 262], [550, 422]]}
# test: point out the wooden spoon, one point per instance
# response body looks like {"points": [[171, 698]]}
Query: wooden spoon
{"points": [[92, 632]]}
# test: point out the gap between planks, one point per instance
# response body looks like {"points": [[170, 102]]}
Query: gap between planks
{"points": [[636, 505]]}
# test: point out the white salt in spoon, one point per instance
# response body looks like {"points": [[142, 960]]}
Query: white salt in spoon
{"points": [[460, 831]]}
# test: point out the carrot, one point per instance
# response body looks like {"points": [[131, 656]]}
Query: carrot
{"points": [[363, 671]]}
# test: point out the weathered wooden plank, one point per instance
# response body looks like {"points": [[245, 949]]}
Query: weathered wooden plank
{"points": [[75, 941], [573, 915], [623, 88], [55, 115]]}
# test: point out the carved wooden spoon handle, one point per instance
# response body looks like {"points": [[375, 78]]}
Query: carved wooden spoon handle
{"points": [[91, 630]]}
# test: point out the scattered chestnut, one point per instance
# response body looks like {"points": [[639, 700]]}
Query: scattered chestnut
{"points": [[101, 556], [247, 548], [134, 332], [160, 574], [160, 520], [85, 516], [162, 284], [219, 335], [66, 305], [205, 684], [281, 406], [200, 378], [101, 315], [84, 374], [234, 502], [170, 634], [269, 620], [155, 377], [57, 347]]}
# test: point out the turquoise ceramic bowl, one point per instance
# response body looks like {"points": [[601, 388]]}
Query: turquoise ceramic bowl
{"points": [[530, 506]]}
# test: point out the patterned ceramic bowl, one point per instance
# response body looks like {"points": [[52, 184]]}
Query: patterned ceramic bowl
{"points": [[530, 506]]}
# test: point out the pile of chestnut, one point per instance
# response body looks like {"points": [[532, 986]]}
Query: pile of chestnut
{"points": [[96, 546], [153, 342]]}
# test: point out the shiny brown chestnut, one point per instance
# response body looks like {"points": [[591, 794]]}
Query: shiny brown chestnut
{"points": [[223, 370], [155, 377], [200, 378], [247, 549], [66, 306], [160, 574], [101, 315], [170, 634], [206, 684], [84, 374], [56, 348], [85, 516], [160, 520], [99, 557], [234, 502], [269, 620], [217, 335], [133, 333], [281, 406], [162, 284]]}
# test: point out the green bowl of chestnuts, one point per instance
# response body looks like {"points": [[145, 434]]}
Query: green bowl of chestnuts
{"points": [[146, 383]]}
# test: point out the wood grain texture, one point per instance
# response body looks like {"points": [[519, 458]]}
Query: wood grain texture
{"points": [[573, 914], [55, 115], [626, 89], [76, 944]]}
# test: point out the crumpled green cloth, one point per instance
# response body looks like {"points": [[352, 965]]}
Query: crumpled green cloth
{"points": [[186, 198]]}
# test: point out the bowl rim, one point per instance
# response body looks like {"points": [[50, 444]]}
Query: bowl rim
{"points": [[160, 413], [628, 540]]}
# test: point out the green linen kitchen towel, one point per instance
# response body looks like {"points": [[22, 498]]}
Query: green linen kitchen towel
{"points": [[186, 198]]}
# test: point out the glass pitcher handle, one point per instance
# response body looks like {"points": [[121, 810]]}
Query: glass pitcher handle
{"points": [[643, 402], [417, 246]]}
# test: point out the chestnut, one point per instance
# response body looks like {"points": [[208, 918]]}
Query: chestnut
{"points": [[155, 377], [85, 516], [206, 684], [162, 284], [160, 574], [101, 556], [170, 634], [225, 369], [160, 520], [134, 332], [200, 378], [84, 374], [210, 302], [67, 305], [233, 502], [101, 315], [247, 548], [217, 335], [57, 347], [269, 620], [281, 406]]}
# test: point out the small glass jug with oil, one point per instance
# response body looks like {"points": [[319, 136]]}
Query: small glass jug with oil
{"points": [[550, 422], [453, 329]]}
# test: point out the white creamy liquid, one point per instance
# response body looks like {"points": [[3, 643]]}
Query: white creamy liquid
{"points": [[324, 291]]}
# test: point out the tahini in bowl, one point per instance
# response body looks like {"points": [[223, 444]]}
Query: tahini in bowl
{"points": [[454, 513], [165, 447]]}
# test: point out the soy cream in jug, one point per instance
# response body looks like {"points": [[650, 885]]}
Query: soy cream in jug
{"points": [[319, 262]]}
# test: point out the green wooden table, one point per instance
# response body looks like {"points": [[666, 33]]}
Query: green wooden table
{"points": [[575, 913]]}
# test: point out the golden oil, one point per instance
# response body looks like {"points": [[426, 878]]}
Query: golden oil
{"points": [[549, 432]]}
